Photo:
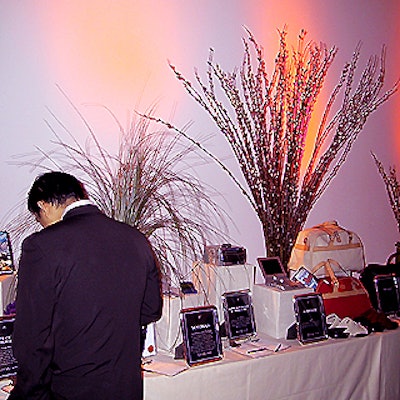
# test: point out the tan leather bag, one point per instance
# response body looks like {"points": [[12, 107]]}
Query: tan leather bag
{"points": [[327, 241]]}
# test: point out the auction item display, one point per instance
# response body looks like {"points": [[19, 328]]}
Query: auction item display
{"points": [[368, 278], [273, 309], [304, 276], [230, 308], [214, 280], [310, 318], [201, 337], [239, 315], [327, 241], [275, 274], [342, 294], [387, 293], [168, 330], [224, 254]]}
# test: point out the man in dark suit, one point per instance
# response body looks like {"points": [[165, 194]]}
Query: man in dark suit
{"points": [[86, 285]]}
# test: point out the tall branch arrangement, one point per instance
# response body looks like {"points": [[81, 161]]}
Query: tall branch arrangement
{"points": [[148, 184], [392, 185], [266, 121]]}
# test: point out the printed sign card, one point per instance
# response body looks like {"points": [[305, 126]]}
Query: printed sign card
{"points": [[201, 335], [239, 315]]}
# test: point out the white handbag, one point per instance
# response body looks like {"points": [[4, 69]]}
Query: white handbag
{"points": [[327, 241]]}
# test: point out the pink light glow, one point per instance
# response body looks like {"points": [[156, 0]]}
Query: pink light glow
{"points": [[114, 49]]}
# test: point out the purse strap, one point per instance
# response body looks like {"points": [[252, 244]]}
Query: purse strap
{"points": [[329, 270], [332, 229]]}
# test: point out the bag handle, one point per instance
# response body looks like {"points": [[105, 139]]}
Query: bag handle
{"points": [[329, 270], [332, 228]]}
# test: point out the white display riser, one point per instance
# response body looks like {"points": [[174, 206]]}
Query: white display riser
{"points": [[214, 281], [273, 309]]}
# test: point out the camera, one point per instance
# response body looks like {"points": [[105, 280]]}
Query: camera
{"points": [[224, 254]]}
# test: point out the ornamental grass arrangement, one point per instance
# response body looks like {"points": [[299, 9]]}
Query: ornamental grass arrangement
{"points": [[392, 186], [266, 120], [148, 183]]}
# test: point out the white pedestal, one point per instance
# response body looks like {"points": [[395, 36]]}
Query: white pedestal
{"points": [[168, 330], [273, 309], [211, 282], [215, 280]]}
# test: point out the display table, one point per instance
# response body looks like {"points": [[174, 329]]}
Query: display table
{"points": [[362, 368], [365, 368]]}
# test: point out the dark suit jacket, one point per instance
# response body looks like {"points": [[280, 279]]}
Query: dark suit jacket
{"points": [[86, 285]]}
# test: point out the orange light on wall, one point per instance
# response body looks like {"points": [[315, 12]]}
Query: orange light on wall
{"points": [[108, 52]]}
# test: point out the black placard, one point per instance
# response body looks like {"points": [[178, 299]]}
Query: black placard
{"points": [[8, 364], [239, 315], [201, 336], [310, 318], [387, 293]]}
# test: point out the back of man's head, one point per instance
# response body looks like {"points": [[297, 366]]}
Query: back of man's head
{"points": [[55, 188]]}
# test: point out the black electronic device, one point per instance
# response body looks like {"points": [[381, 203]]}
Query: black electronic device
{"points": [[310, 318], [338, 333], [7, 265], [187, 287], [387, 293], [225, 254], [304, 276], [275, 275], [239, 314]]}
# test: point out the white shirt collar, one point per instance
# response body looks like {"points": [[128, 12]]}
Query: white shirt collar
{"points": [[75, 204]]}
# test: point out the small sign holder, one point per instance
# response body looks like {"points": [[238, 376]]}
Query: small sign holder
{"points": [[239, 315], [201, 336], [310, 318]]}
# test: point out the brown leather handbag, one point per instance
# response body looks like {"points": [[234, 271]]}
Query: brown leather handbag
{"points": [[342, 295]]}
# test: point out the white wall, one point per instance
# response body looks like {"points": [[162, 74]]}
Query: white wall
{"points": [[115, 53]]}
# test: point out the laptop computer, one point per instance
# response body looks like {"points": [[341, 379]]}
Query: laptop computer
{"points": [[8, 363], [275, 275]]}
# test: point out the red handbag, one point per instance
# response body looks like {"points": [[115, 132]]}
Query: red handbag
{"points": [[342, 295]]}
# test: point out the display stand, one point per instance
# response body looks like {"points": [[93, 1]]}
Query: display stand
{"points": [[202, 340], [215, 280], [168, 330], [239, 315], [273, 309]]}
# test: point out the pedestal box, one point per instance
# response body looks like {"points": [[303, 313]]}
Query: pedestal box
{"points": [[168, 330], [211, 283], [273, 309], [214, 280]]}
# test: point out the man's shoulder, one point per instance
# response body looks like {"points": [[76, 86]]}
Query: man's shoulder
{"points": [[82, 210]]}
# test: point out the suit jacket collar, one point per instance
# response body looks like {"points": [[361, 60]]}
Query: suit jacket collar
{"points": [[81, 210]]}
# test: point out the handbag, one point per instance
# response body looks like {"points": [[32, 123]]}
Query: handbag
{"points": [[342, 295], [327, 241]]}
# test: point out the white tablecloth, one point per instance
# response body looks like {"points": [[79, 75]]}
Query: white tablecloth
{"points": [[365, 368]]}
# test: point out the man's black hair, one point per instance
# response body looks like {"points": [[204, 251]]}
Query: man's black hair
{"points": [[55, 188]]}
